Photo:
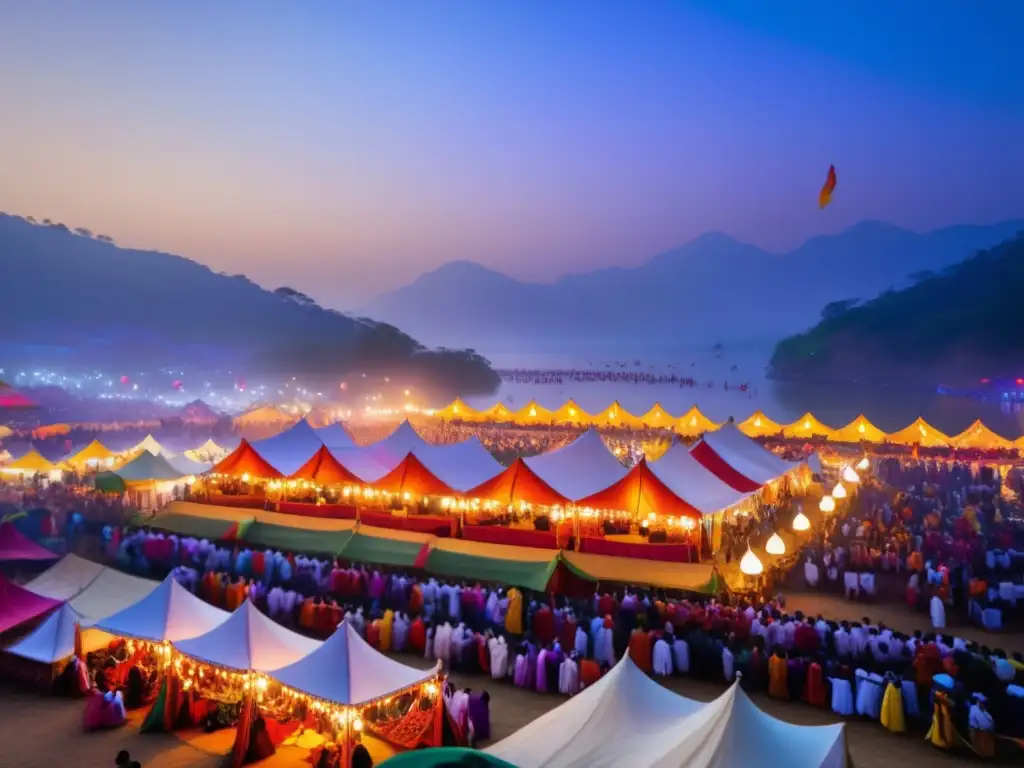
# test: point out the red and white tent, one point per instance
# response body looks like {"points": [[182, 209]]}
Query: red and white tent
{"points": [[739, 461], [686, 477], [580, 469]]}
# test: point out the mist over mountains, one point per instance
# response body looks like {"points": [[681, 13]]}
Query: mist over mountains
{"points": [[712, 289]]}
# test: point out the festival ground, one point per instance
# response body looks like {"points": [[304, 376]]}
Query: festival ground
{"points": [[38, 730]]}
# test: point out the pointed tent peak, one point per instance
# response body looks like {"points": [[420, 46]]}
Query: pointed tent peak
{"points": [[14, 545], [458, 410], [209, 451], [497, 412], [244, 460], [759, 425], [694, 423], [150, 444], [860, 430], [414, 479], [580, 468], [168, 613], [32, 461], [148, 467], [807, 426], [403, 438], [658, 416], [347, 670], [518, 483], [617, 416], [324, 469], [94, 453], [335, 436], [920, 432], [263, 415], [571, 413], [979, 436], [52, 641], [533, 413], [642, 492], [19, 605]]}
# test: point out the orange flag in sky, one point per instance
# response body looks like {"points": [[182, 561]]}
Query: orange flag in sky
{"points": [[825, 196]]}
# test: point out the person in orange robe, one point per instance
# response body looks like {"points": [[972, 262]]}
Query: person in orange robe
{"points": [[307, 613], [217, 590], [777, 669], [590, 672], [373, 633], [814, 689], [416, 599], [640, 649]]}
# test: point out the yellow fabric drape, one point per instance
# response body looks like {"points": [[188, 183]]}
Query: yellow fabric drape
{"points": [[941, 732], [892, 709], [385, 630], [514, 617]]}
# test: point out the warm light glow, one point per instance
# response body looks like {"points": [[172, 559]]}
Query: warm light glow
{"points": [[807, 424], [533, 411], [850, 476], [190, 480], [861, 428], [245, 477], [775, 545], [750, 564], [800, 522], [864, 464], [827, 504], [357, 725], [757, 423], [839, 492]]}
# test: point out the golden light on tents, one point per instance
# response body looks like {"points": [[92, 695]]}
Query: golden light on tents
{"points": [[807, 426], [95, 454], [457, 410], [694, 423], [750, 564], [979, 437], [533, 413], [759, 425], [31, 463], [857, 431], [497, 412], [617, 416], [658, 417], [571, 413], [775, 545], [827, 504], [920, 433]]}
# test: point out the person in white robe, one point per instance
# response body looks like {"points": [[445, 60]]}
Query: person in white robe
{"points": [[580, 644], [455, 603], [681, 655], [604, 647], [811, 573], [400, 632], [428, 650], [498, 649], [728, 664], [443, 642], [851, 585], [662, 658], [569, 676], [938, 612]]}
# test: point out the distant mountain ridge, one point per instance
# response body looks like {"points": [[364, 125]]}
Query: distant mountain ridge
{"points": [[80, 299], [714, 288]]}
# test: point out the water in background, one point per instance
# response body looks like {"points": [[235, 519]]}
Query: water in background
{"points": [[889, 409]]}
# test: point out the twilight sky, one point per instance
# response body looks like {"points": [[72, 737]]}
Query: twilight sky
{"points": [[343, 148]]}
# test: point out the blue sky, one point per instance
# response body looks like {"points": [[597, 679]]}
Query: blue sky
{"points": [[344, 148]]}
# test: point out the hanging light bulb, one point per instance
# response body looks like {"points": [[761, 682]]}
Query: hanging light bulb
{"points": [[775, 545], [827, 504], [839, 492], [750, 565], [864, 464], [800, 522], [850, 475]]}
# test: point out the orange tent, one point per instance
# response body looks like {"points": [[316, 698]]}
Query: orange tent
{"points": [[244, 460], [860, 430], [641, 493], [324, 469], [658, 417], [518, 483], [979, 436], [921, 433], [412, 477]]}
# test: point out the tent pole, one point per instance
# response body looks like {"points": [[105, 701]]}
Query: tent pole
{"points": [[346, 744]]}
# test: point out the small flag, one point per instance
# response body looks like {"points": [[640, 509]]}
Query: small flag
{"points": [[825, 196]]}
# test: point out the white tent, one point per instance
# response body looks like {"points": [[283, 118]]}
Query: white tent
{"points": [[349, 671], [168, 613], [746, 456], [93, 590], [579, 469], [390, 451], [335, 437], [628, 719], [207, 452], [66, 578], [54, 639], [187, 466], [149, 443], [361, 463], [462, 465], [248, 640], [289, 450], [691, 481]]}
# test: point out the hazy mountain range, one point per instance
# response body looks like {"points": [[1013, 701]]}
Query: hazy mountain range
{"points": [[70, 297], [712, 289]]}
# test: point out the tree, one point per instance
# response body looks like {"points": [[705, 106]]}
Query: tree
{"points": [[834, 309], [83, 232]]}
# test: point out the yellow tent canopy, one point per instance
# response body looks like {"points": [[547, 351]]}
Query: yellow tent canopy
{"points": [[920, 433], [860, 430], [571, 413], [807, 426], [94, 453], [32, 461], [759, 425], [533, 413], [457, 410], [149, 443], [694, 423], [658, 417], [979, 436], [617, 416], [497, 412], [207, 452]]}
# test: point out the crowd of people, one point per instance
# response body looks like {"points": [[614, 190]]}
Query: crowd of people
{"points": [[609, 376]]}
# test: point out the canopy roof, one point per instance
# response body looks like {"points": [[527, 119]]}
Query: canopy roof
{"points": [[691, 577], [335, 436], [94, 452], [149, 443], [244, 460], [14, 545], [497, 412], [640, 492], [385, 546], [328, 537], [533, 413], [66, 578], [579, 469], [248, 640], [148, 467], [518, 483], [628, 719], [323, 469], [920, 432], [738, 460], [188, 466], [499, 563], [390, 451], [694, 423], [18, 605], [658, 417], [52, 640], [859, 430], [571, 413], [168, 613], [33, 461], [208, 451], [978, 436], [289, 450], [93, 590], [412, 477], [461, 465], [617, 416], [690, 480], [807, 426], [759, 425], [457, 410], [347, 670]]}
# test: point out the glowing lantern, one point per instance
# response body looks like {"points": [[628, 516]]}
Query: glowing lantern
{"points": [[864, 464], [245, 477], [839, 492], [750, 565], [827, 504], [775, 545], [861, 429], [800, 522], [533, 411], [757, 423], [850, 476], [807, 424]]}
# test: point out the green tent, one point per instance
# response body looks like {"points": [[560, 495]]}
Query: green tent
{"points": [[147, 467], [201, 527], [533, 575], [288, 539], [375, 550], [446, 757], [109, 482]]}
